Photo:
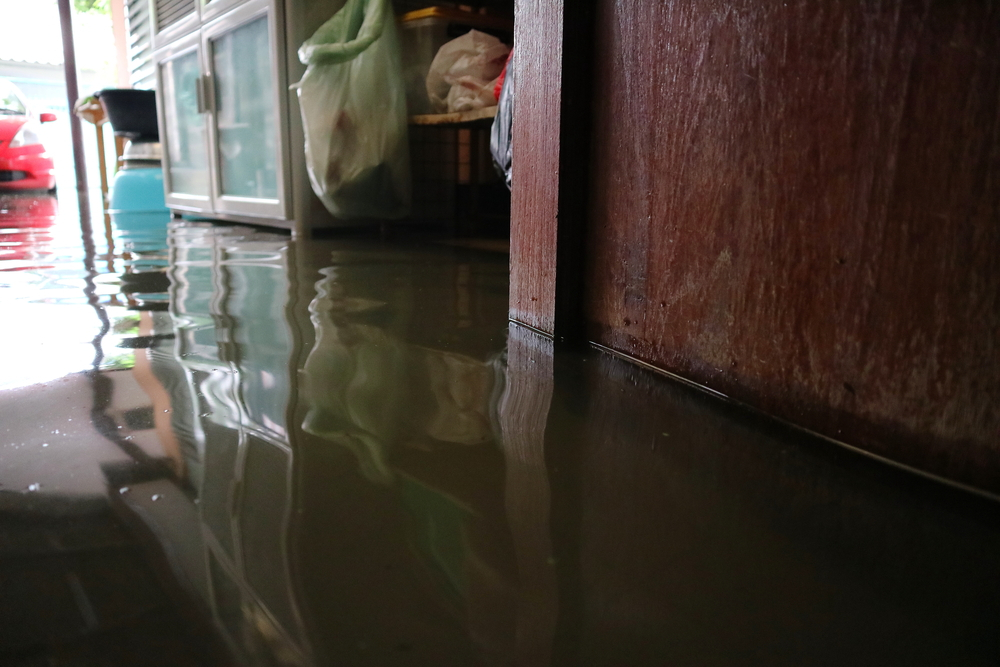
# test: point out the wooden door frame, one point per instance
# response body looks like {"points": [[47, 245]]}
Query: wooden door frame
{"points": [[552, 69]]}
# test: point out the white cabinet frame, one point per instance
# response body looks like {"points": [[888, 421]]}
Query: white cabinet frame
{"points": [[182, 47], [212, 9], [277, 208]]}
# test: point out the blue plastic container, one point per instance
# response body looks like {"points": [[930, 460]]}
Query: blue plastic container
{"points": [[136, 199]]}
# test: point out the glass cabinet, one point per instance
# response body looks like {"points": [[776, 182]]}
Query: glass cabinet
{"points": [[184, 127], [222, 111], [245, 112]]}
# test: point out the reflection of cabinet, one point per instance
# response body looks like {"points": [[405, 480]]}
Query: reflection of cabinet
{"points": [[229, 290], [232, 140]]}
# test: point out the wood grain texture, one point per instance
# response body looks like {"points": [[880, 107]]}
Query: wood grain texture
{"points": [[551, 149], [798, 204], [535, 151]]}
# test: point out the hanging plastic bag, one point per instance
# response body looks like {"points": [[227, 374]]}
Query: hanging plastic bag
{"points": [[500, 133], [353, 104], [464, 72]]}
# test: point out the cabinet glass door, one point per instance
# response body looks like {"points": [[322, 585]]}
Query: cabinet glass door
{"points": [[185, 135], [246, 114]]}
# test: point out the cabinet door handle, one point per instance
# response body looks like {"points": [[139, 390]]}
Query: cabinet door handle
{"points": [[199, 94], [204, 93], [209, 93]]}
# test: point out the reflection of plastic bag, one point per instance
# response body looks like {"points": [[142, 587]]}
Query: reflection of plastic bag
{"points": [[371, 392], [501, 131], [464, 71], [354, 112]]}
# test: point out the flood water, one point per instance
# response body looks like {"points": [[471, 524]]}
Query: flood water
{"points": [[222, 446]]}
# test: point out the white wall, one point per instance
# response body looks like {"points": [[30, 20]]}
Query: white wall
{"points": [[45, 87]]}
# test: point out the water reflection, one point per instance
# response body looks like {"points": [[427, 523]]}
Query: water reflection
{"points": [[372, 392], [406, 417], [221, 366], [434, 431], [25, 222], [339, 452]]}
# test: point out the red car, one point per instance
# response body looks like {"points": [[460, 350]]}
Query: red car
{"points": [[24, 163]]}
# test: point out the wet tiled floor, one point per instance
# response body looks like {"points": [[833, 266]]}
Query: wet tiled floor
{"points": [[219, 445]]}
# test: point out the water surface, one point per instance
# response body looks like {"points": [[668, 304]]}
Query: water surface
{"points": [[222, 446]]}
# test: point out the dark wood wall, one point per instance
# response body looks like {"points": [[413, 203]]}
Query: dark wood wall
{"points": [[796, 204]]}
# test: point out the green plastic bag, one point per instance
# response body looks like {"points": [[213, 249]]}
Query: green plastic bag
{"points": [[353, 104]]}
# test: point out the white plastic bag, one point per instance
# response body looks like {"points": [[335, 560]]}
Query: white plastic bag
{"points": [[464, 72], [353, 105]]}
